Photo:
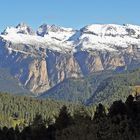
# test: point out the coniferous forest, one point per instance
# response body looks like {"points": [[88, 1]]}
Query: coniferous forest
{"points": [[25, 118]]}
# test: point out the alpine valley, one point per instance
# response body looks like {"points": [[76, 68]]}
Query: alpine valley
{"points": [[89, 65]]}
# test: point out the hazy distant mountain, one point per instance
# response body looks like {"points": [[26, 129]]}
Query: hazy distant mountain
{"points": [[10, 84]]}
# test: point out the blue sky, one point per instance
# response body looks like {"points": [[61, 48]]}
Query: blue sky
{"points": [[68, 13]]}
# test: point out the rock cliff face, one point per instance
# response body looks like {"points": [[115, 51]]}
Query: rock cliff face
{"points": [[89, 62], [30, 70], [61, 66], [37, 76], [41, 60]]}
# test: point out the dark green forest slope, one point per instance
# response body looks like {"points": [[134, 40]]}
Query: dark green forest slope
{"points": [[104, 87], [77, 90], [116, 87], [21, 110], [121, 121]]}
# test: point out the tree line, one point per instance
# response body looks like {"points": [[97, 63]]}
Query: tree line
{"points": [[121, 121]]}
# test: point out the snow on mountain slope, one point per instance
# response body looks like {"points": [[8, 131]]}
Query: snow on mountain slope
{"points": [[51, 40], [56, 32], [21, 28], [106, 37], [102, 30]]}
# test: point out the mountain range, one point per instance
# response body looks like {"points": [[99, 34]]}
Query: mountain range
{"points": [[40, 61]]}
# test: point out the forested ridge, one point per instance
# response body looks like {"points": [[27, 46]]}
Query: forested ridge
{"points": [[104, 86], [50, 120], [107, 117], [23, 109]]}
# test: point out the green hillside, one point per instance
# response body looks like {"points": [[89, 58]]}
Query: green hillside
{"points": [[10, 84], [116, 87], [76, 90], [22, 109], [104, 87]]}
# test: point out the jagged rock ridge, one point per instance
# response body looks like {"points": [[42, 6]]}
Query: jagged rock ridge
{"points": [[42, 59]]}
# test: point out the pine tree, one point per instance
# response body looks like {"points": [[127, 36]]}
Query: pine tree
{"points": [[64, 119]]}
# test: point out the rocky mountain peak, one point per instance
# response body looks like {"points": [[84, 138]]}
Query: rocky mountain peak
{"points": [[42, 30], [46, 29], [111, 30], [21, 28], [24, 29]]}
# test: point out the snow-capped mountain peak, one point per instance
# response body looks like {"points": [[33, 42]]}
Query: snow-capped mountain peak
{"points": [[42, 30], [25, 29], [108, 37], [21, 28], [45, 29], [59, 33], [103, 37], [112, 30]]}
